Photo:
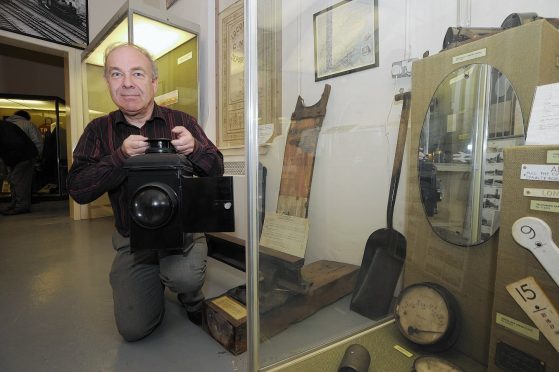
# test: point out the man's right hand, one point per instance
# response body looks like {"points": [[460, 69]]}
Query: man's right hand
{"points": [[135, 145]]}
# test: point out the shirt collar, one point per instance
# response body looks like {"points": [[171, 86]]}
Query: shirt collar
{"points": [[156, 114]]}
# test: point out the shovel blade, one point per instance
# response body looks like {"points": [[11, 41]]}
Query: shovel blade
{"points": [[382, 263]]}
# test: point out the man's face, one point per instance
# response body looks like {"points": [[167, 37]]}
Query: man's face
{"points": [[130, 80]]}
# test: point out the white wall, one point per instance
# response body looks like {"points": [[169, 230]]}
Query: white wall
{"points": [[356, 146]]}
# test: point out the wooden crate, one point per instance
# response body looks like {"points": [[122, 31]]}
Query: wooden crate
{"points": [[226, 316]]}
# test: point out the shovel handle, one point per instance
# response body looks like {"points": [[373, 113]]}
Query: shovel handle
{"points": [[400, 146]]}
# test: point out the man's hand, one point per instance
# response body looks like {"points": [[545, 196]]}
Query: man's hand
{"points": [[184, 142], [135, 144]]}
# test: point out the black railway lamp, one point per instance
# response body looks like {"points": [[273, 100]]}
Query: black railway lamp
{"points": [[166, 200]]}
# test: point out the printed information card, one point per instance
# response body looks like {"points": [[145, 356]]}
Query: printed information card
{"points": [[544, 118]]}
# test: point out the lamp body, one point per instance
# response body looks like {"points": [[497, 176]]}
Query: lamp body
{"points": [[155, 200]]}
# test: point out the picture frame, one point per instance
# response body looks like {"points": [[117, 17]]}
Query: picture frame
{"points": [[59, 21], [230, 75], [345, 38]]}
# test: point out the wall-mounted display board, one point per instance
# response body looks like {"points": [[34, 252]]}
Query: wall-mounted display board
{"points": [[526, 55], [513, 332], [231, 69]]}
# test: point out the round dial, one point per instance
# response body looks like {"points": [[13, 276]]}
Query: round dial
{"points": [[427, 315], [434, 364]]}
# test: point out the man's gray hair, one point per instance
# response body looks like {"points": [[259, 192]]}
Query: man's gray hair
{"points": [[114, 46]]}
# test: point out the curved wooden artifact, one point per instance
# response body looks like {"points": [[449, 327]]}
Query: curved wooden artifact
{"points": [[298, 159]]}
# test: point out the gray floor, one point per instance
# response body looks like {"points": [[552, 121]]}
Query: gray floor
{"points": [[56, 307], [56, 303]]}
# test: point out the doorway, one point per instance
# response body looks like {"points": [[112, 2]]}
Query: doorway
{"points": [[35, 68]]}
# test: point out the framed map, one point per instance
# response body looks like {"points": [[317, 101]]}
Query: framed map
{"points": [[345, 38]]}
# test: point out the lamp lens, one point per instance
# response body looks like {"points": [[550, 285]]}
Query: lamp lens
{"points": [[152, 207]]}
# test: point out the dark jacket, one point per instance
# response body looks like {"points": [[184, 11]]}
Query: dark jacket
{"points": [[15, 145]]}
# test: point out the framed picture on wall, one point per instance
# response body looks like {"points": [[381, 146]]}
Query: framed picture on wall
{"points": [[231, 70], [60, 21], [345, 38]]}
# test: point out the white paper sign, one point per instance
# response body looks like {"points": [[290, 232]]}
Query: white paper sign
{"points": [[287, 234], [535, 303], [539, 172], [543, 127]]}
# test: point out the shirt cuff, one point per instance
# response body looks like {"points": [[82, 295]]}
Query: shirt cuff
{"points": [[119, 157], [196, 152]]}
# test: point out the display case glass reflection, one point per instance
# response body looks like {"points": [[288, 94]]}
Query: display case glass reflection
{"points": [[472, 117], [174, 49]]}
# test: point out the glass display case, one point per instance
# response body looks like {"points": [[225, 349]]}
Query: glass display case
{"points": [[329, 171], [49, 115], [173, 44], [322, 200]]}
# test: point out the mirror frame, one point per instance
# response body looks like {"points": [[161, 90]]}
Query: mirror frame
{"points": [[473, 115]]}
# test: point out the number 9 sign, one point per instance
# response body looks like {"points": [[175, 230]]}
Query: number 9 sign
{"points": [[535, 235]]}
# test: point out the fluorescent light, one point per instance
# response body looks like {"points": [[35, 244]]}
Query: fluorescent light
{"points": [[156, 37], [118, 35], [29, 104]]}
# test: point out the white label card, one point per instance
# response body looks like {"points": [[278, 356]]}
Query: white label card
{"points": [[184, 58], [553, 157], [469, 56], [535, 303], [517, 326], [287, 234], [544, 117], [541, 193], [539, 172]]}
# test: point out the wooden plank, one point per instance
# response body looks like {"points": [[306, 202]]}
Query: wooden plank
{"points": [[299, 155]]}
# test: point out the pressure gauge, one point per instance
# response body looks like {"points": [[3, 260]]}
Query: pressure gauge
{"points": [[428, 315], [434, 364]]}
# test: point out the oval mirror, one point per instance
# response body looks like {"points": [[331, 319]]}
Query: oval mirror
{"points": [[473, 115]]}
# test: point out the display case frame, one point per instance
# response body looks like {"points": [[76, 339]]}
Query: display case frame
{"points": [[131, 11], [176, 90], [52, 165]]}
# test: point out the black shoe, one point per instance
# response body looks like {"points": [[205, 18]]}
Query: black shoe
{"points": [[194, 310], [195, 316]]}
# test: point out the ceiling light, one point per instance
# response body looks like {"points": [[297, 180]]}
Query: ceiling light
{"points": [[156, 37]]}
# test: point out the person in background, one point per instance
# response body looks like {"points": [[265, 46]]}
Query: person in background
{"points": [[20, 175], [139, 278]]}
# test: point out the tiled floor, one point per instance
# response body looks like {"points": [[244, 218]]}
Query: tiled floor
{"points": [[56, 303]]}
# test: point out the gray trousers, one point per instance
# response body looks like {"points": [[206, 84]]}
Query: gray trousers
{"points": [[139, 279], [20, 178]]}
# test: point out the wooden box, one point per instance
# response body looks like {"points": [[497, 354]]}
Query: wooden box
{"points": [[226, 316]]}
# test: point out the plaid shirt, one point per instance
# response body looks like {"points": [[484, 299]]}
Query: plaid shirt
{"points": [[98, 158]]}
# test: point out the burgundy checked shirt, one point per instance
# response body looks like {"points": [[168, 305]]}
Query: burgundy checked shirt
{"points": [[98, 158]]}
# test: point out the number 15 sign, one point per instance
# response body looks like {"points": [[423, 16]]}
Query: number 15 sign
{"points": [[532, 299]]}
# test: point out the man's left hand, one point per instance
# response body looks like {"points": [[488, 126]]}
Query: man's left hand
{"points": [[184, 142]]}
